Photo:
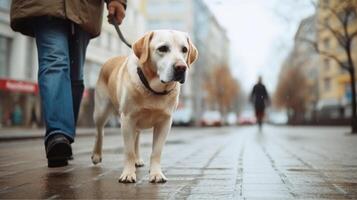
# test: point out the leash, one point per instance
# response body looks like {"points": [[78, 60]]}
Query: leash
{"points": [[120, 34]]}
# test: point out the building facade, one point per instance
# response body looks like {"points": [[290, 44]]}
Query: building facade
{"points": [[213, 43], [308, 59], [305, 60], [334, 81]]}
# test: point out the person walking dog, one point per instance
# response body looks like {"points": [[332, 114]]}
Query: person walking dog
{"points": [[62, 29], [260, 99]]}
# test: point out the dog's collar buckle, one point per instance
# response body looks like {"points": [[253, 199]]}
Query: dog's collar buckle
{"points": [[147, 85]]}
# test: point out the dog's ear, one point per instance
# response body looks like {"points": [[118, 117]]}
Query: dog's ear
{"points": [[141, 47], [192, 52]]}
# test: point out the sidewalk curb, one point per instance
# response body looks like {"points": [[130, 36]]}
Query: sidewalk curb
{"points": [[15, 134]]}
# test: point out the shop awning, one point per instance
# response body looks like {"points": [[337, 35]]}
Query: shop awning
{"points": [[18, 86]]}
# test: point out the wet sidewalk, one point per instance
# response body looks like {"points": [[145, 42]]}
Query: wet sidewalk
{"points": [[218, 163]]}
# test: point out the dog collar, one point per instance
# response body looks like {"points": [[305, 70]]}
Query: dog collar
{"points": [[147, 85]]}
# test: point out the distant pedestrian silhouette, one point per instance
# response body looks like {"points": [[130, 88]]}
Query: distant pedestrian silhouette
{"points": [[260, 99]]}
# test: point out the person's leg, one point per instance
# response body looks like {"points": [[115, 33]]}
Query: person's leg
{"points": [[258, 116], [261, 118], [54, 76], [55, 88], [78, 42]]}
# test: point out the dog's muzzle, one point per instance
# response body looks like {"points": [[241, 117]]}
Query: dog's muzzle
{"points": [[180, 73]]}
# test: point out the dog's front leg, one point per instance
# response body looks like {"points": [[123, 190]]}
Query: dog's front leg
{"points": [[129, 135], [138, 161], [161, 131]]}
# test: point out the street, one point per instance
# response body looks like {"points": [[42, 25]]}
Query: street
{"points": [[200, 163]]}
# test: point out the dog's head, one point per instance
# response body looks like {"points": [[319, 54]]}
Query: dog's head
{"points": [[167, 53]]}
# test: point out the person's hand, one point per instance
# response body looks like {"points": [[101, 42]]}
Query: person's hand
{"points": [[116, 10]]}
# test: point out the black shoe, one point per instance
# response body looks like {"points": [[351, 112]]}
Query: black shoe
{"points": [[58, 151]]}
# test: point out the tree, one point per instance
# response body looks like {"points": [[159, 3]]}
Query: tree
{"points": [[341, 24], [222, 89], [292, 92]]}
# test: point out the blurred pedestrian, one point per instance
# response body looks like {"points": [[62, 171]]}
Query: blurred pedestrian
{"points": [[260, 99], [62, 29]]}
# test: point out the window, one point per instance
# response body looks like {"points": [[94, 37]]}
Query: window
{"points": [[327, 64], [326, 2], [4, 56], [326, 42], [327, 84], [5, 4]]}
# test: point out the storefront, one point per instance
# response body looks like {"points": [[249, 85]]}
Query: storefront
{"points": [[19, 104]]}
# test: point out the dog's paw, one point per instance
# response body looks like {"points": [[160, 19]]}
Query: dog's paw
{"points": [[139, 163], [96, 159], [127, 177], [158, 177]]}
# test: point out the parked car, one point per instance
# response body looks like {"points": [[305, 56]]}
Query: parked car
{"points": [[232, 119], [211, 118], [247, 117], [182, 117], [278, 118]]}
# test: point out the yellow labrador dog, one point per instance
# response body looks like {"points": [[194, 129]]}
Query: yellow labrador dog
{"points": [[143, 89]]}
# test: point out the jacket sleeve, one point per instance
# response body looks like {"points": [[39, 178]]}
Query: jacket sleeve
{"points": [[123, 2]]}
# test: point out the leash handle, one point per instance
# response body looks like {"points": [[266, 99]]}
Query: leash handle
{"points": [[120, 34]]}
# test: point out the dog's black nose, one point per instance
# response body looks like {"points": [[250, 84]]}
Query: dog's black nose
{"points": [[180, 68], [180, 72]]}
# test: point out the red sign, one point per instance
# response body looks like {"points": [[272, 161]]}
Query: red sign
{"points": [[18, 86]]}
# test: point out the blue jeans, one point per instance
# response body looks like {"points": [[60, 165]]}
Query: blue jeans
{"points": [[61, 47]]}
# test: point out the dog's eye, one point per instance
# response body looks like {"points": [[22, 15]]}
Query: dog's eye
{"points": [[163, 49], [184, 49]]}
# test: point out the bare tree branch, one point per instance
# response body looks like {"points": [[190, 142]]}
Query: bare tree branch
{"points": [[324, 53], [335, 13], [333, 57], [345, 23], [339, 37]]}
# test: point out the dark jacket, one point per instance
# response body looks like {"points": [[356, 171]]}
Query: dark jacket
{"points": [[86, 13], [259, 97]]}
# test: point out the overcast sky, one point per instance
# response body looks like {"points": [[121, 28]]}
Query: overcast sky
{"points": [[261, 34]]}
